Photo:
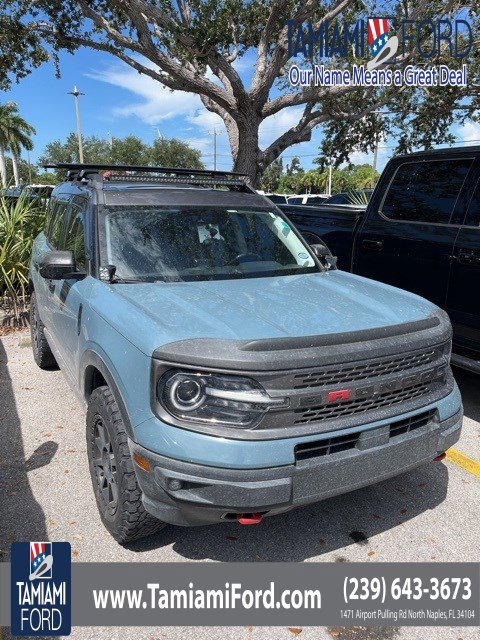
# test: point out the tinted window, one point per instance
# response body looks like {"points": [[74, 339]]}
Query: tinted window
{"points": [[56, 228], [75, 238], [277, 199], [425, 191], [295, 200], [473, 215], [49, 216], [340, 198], [319, 200]]}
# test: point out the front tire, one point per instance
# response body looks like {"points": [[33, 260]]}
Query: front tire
{"points": [[118, 495], [42, 353]]}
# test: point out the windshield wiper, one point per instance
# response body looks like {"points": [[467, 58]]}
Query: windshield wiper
{"points": [[118, 280]]}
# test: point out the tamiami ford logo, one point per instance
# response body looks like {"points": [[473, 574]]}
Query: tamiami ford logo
{"points": [[40, 588], [388, 42], [381, 45]]}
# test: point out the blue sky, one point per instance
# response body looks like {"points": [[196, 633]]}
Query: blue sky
{"points": [[120, 101]]}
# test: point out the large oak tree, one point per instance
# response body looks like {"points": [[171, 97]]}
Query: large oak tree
{"points": [[192, 45]]}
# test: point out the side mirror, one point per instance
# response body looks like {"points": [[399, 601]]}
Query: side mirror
{"points": [[57, 265], [321, 250], [323, 253]]}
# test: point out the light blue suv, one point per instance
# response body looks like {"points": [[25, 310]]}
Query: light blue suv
{"points": [[229, 370]]}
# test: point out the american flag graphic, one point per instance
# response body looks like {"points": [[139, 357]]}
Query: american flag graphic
{"points": [[39, 552], [377, 34]]}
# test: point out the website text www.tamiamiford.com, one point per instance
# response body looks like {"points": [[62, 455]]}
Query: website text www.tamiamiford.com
{"points": [[232, 596]]}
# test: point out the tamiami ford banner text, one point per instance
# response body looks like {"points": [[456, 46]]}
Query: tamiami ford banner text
{"points": [[265, 594]]}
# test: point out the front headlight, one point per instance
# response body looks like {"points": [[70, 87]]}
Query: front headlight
{"points": [[215, 399]]}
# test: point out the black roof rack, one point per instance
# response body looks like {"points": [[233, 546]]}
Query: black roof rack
{"points": [[133, 173]]}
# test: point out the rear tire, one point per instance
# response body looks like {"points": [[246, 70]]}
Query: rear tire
{"points": [[118, 495], [42, 353]]}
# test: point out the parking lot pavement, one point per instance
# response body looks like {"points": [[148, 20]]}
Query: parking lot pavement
{"points": [[430, 514]]}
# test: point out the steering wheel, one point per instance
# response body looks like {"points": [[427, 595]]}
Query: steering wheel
{"points": [[246, 257]]}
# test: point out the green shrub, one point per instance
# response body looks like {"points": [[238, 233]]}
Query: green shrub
{"points": [[358, 198], [20, 222]]}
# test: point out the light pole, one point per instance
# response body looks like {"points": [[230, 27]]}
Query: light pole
{"points": [[29, 167], [376, 113], [214, 149], [75, 93]]}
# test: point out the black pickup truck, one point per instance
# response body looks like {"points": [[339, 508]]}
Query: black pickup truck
{"points": [[420, 232]]}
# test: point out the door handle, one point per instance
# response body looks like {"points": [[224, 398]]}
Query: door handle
{"points": [[468, 256], [372, 245]]}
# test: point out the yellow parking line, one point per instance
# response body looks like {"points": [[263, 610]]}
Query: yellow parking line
{"points": [[472, 466]]}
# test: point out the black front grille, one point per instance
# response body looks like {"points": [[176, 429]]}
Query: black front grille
{"points": [[410, 424], [336, 444], [361, 405], [349, 372], [326, 447]]}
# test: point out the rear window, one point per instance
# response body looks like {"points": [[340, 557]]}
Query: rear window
{"points": [[340, 198], [277, 199], [318, 200], [425, 191]]}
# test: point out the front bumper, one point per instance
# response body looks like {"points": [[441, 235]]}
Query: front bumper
{"points": [[189, 494]]}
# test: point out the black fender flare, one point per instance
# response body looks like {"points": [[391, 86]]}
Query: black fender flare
{"points": [[90, 361]]}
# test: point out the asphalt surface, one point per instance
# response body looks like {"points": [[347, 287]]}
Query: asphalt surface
{"points": [[430, 514]]}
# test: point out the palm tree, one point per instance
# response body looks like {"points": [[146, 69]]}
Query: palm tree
{"points": [[15, 133]]}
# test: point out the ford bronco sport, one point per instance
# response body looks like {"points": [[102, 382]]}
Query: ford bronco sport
{"points": [[229, 371]]}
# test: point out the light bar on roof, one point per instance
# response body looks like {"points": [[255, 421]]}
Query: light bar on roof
{"points": [[178, 179]]}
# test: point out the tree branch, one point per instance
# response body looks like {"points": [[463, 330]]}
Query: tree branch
{"points": [[183, 77], [267, 72], [302, 131], [306, 95], [217, 63]]}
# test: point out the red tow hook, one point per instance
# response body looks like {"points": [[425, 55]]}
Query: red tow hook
{"points": [[441, 457], [249, 518]]}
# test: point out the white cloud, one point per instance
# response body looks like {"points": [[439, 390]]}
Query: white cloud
{"points": [[158, 103], [273, 126], [206, 120], [469, 132]]}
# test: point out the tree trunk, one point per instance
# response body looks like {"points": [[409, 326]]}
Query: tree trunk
{"points": [[247, 158], [16, 175], [3, 167]]}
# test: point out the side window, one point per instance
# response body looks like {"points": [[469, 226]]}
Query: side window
{"points": [[57, 225], [49, 215], [425, 191], [473, 215], [75, 236]]}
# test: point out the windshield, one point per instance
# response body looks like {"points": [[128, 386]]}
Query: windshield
{"points": [[199, 243]]}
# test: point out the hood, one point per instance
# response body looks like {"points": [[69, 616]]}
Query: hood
{"points": [[154, 314]]}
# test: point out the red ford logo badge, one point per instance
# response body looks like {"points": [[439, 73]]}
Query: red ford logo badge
{"points": [[335, 396]]}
